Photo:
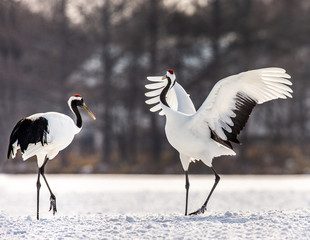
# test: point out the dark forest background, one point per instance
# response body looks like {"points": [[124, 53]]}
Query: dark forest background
{"points": [[104, 50]]}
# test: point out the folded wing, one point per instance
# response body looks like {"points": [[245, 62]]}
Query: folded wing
{"points": [[26, 132]]}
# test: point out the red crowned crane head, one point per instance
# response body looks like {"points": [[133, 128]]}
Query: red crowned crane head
{"points": [[78, 101]]}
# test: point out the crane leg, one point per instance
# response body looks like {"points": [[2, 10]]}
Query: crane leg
{"points": [[52, 198], [38, 193], [204, 206], [187, 188]]}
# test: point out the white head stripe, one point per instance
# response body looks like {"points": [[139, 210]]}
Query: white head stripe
{"points": [[74, 98]]}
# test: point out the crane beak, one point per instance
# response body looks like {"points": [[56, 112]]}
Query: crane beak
{"points": [[164, 77], [84, 106]]}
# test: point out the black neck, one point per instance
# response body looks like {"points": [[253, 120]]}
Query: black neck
{"points": [[77, 114], [164, 92]]}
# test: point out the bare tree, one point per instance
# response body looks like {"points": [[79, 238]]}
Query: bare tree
{"points": [[10, 54], [107, 77], [153, 27]]}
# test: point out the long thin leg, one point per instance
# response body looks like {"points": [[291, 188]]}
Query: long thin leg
{"points": [[38, 193], [52, 198], [204, 206], [187, 188]]}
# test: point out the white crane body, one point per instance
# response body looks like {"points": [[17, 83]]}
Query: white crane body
{"points": [[61, 130], [208, 132]]}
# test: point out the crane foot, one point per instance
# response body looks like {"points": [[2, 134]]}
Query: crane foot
{"points": [[53, 204]]}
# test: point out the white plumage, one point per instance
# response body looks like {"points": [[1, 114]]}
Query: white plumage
{"points": [[208, 133], [61, 131], [44, 135]]}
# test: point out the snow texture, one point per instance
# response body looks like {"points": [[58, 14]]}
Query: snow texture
{"points": [[152, 207]]}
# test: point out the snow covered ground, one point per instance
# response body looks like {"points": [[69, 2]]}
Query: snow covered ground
{"points": [[152, 207]]}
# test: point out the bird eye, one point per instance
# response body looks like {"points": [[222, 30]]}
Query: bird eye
{"points": [[170, 71]]}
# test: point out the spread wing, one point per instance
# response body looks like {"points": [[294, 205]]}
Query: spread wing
{"points": [[177, 97], [231, 101]]}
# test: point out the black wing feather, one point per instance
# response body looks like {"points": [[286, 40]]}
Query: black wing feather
{"points": [[216, 138], [28, 131], [244, 106]]}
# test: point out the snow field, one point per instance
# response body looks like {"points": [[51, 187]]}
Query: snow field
{"points": [[152, 207]]}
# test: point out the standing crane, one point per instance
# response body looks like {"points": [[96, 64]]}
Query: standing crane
{"points": [[44, 135], [209, 131]]}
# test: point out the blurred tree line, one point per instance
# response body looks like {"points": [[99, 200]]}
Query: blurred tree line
{"points": [[104, 50]]}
